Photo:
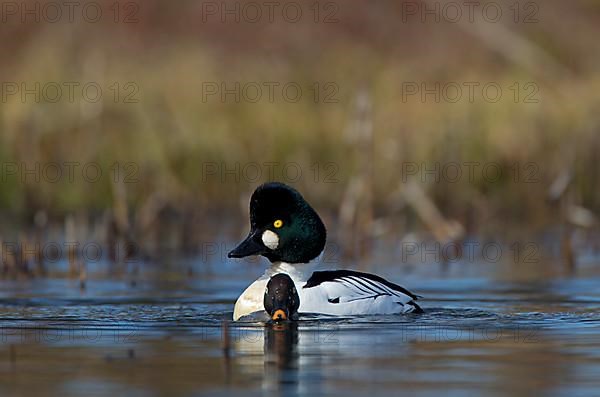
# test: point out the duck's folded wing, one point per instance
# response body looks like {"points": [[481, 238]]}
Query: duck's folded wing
{"points": [[342, 286]]}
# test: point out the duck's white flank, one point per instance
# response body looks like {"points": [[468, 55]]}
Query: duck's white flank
{"points": [[343, 294]]}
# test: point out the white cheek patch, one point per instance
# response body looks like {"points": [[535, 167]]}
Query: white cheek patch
{"points": [[270, 239]]}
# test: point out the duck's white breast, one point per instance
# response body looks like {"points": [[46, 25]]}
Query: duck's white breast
{"points": [[251, 300]]}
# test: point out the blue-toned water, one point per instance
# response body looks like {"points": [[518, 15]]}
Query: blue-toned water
{"points": [[164, 331]]}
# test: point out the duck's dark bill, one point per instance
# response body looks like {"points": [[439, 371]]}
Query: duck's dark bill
{"points": [[246, 248], [279, 315]]}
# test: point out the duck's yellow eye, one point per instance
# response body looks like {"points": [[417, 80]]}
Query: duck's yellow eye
{"points": [[278, 223]]}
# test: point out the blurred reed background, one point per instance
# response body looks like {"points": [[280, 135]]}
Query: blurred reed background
{"points": [[175, 143]]}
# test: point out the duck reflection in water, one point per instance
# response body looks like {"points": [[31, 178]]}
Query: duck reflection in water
{"points": [[281, 341]]}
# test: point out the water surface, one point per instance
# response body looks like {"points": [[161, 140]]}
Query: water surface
{"points": [[163, 333]]}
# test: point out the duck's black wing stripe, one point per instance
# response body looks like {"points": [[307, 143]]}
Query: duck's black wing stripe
{"points": [[359, 286], [372, 293], [335, 275], [381, 287], [380, 290]]}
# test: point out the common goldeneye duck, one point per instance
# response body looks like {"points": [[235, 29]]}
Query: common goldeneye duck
{"points": [[281, 298], [286, 230]]}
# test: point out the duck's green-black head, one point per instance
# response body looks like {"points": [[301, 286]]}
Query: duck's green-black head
{"points": [[283, 227]]}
